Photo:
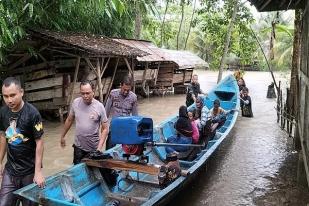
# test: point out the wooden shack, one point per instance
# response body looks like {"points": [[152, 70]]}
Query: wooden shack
{"points": [[153, 70], [302, 76], [163, 69], [186, 62], [52, 64]]}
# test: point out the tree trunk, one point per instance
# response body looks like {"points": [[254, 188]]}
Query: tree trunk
{"points": [[191, 21], [295, 64], [227, 41], [182, 3], [163, 23], [138, 21], [272, 39]]}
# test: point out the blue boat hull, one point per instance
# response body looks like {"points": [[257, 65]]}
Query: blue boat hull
{"points": [[83, 185]]}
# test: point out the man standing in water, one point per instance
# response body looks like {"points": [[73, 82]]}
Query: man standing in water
{"points": [[121, 102], [193, 90], [91, 123], [21, 136]]}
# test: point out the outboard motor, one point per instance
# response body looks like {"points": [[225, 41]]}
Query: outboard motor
{"points": [[133, 132]]}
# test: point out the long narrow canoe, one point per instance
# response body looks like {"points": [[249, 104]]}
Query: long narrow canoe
{"points": [[136, 184]]}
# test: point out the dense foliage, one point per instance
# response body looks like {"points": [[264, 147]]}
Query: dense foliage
{"points": [[197, 25], [107, 17]]}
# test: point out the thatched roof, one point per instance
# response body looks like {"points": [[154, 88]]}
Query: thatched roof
{"points": [[87, 44], [276, 5]]}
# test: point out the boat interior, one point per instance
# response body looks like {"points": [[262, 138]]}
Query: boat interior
{"points": [[85, 185]]}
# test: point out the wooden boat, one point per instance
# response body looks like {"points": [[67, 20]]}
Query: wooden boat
{"points": [[137, 183]]}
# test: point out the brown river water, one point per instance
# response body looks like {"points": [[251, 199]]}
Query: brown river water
{"points": [[255, 165]]}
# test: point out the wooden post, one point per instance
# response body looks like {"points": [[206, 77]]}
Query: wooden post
{"points": [[278, 104], [131, 71], [288, 110], [132, 66], [74, 80], [112, 81], [157, 73], [60, 110], [281, 109], [103, 70], [144, 81], [99, 82]]}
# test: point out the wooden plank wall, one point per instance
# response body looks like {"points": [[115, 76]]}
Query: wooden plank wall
{"points": [[165, 75], [182, 76], [303, 121], [48, 85]]}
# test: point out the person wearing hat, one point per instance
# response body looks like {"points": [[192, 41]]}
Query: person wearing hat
{"points": [[184, 132]]}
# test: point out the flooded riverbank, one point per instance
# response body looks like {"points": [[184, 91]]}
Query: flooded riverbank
{"points": [[256, 165]]}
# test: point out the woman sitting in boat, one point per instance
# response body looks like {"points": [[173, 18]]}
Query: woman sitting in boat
{"points": [[183, 132], [201, 113], [245, 103], [217, 115], [195, 131]]}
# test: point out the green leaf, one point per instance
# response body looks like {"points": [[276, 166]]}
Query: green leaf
{"points": [[113, 4], [10, 36], [30, 10], [108, 13]]}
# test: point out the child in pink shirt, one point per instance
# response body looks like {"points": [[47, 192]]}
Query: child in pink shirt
{"points": [[195, 135]]}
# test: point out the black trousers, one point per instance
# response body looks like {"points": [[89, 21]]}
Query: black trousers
{"points": [[110, 176], [9, 185], [109, 141], [78, 155]]}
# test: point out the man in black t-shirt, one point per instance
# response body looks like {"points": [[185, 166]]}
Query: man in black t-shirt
{"points": [[21, 130], [193, 90]]}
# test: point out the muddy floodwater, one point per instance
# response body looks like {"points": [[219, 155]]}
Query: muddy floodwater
{"points": [[255, 165]]}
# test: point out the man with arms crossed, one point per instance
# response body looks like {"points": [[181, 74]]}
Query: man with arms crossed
{"points": [[21, 136]]}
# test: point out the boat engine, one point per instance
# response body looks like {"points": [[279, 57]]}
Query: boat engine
{"points": [[133, 132]]}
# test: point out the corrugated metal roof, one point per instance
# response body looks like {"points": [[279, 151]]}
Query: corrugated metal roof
{"points": [[87, 43], [184, 59], [155, 53]]}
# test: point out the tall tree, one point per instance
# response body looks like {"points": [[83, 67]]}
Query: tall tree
{"points": [[190, 25], [138, 21], [182, 4], [227, 40], [163, 23], [295, 64]]}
